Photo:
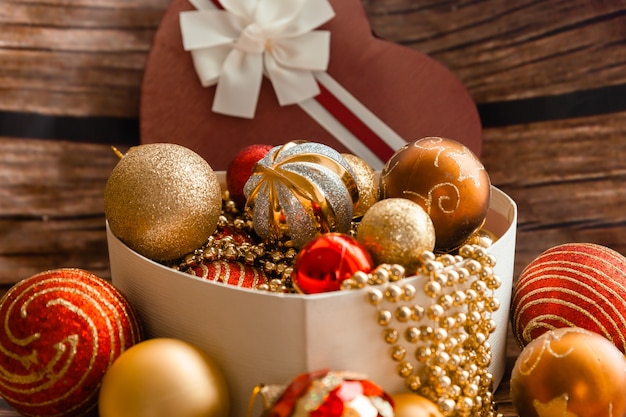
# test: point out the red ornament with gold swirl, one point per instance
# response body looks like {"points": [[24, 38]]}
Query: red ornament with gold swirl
{"points": [[61, 330]]}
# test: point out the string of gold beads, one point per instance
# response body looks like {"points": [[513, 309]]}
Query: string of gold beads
{"points": [[441, 349]]}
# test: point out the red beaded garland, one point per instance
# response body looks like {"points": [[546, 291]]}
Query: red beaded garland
{"points": [[240, 168], [61, 331], [328, 260]]}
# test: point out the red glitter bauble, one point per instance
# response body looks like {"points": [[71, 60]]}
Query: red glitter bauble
{"points": [[240, 168], [62, 330], [572, 285], [328, 260], [232, 273]]}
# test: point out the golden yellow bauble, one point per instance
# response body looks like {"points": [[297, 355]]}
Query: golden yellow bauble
{"points": [[569, 372], [163, 378], [162, 200], [408, 404], [397, 231], [366, 182]]}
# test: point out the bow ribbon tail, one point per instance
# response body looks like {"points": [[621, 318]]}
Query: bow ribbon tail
{"points": [[239, 84]]}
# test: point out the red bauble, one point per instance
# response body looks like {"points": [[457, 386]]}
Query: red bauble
{"points": [[328, 260], [240, 168], [572, 285], [332, 394], [62, 329], [232, 273]]}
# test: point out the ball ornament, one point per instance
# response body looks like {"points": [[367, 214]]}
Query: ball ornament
{"points": [[61, 331], [328, 260], [240, 169], [396, 231], [162, 200], [569, 372], [447, 180], [164, 377], [300, 190], [572, 285]]}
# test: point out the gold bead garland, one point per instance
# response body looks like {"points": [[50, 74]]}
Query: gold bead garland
{"points": [[441, 349]]}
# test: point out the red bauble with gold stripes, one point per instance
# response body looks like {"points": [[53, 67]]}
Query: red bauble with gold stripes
{"points": [[230, 272], [61, 331], [572, 285]]}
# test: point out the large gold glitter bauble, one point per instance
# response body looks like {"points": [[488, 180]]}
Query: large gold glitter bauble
{"points": [[366, 182], [569, 372], [163, 378], [447, 180], [162, 200], [397, 231]]}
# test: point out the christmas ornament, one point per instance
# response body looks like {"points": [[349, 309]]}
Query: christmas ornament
{"points": [[62, 330], [572, 285], [230, 272], [164, 377], [299, 190], [332, 394], [396, 231], [162, 200], [569, 372], [408, 404], [447, 180], [326, 261], [366, 182], [240, 169]]}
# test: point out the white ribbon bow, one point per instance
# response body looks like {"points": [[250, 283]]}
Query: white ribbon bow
{"points": [[235, 47]]}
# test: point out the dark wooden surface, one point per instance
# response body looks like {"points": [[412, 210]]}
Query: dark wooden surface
{"points": [[548, 77]]}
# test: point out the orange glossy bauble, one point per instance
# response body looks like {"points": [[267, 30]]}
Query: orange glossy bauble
{"points": [[61, 332], [569, 372], [413, 405], [447, 180], [572, 285]]}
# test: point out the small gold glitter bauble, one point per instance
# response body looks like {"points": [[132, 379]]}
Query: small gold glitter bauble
{"points": [[397, 231], [366, 182], [162, 200], [164, 377], [447, 180], [413, 405], [569, 372]]}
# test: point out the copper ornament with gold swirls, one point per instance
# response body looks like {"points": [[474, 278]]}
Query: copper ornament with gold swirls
{"points": [[299, 190], [572, 285], [447, 180], [61, 331]]}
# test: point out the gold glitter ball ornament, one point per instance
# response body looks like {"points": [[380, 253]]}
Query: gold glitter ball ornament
{"points": [[397, 231], [162, 200], [569, 372], [366, 181]]}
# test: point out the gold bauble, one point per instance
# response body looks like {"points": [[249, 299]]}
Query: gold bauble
{"points": [[163, 378], [569, 372], [408, 404], [397, 231], [162, 200], [366, 182]]}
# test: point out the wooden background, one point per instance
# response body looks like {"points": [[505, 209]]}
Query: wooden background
{"points": [[548, 76]]}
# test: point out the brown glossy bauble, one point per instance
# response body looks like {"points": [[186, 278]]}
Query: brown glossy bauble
{"points": [[407, 404], [569, 372], [447, 180]]}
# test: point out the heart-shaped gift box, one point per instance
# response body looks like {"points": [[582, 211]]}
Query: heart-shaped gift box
{"points": [[379, 96]]}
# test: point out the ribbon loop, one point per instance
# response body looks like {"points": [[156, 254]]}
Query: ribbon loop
{"points": [[235, 47]]}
